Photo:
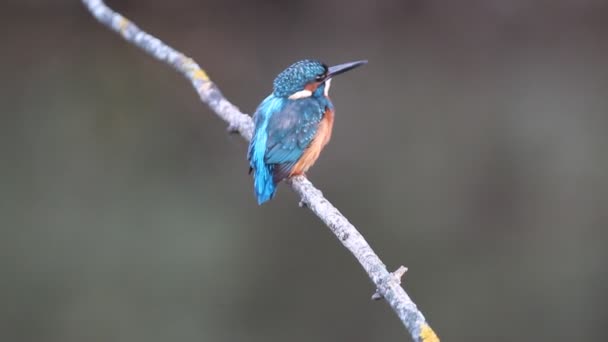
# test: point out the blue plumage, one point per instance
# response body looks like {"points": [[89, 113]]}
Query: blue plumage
{"points": [[263, 184], [297, 76], [286, 122]]}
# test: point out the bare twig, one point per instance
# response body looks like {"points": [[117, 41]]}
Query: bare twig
{"points": [[397, 277], [387, 284]]}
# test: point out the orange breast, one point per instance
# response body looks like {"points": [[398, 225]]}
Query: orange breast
{"points": [[310, 155]]}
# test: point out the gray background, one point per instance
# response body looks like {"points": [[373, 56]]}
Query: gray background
{"points": [[472, 149]]}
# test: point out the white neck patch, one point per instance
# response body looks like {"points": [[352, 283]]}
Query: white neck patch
{"points": [[327, 85], [307, 93], [300, 94]]}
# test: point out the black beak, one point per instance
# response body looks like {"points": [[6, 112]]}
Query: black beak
{"points": [[341, 68]]}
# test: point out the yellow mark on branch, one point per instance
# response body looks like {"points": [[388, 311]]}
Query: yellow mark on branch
{"points": [[427, 334], [200, 74], [197, 73], [123, 24]]}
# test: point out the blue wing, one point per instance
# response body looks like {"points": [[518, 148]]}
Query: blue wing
{"points": [[283, 130], [290, 132]]}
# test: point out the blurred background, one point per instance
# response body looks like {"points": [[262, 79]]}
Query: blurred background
{"points": [[472, 149]]}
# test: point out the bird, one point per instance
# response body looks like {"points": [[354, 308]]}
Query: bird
{"points": [[293, 124]]}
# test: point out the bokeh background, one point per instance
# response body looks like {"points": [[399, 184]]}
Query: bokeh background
{"points": [[472, 149]]}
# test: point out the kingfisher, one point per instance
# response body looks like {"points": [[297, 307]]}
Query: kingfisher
{"points": [[293, 124]]}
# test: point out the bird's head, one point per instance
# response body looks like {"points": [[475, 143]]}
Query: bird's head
{"points": [[303, 79]]}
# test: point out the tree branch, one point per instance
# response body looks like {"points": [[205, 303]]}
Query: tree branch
{"points": [[387, 284]]}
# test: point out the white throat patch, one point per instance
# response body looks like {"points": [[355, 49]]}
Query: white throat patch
{"points": [[327, 85], [300, 94], [307, 93]]}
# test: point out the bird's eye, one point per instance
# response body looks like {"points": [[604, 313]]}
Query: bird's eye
{"points": [[320, 77]]}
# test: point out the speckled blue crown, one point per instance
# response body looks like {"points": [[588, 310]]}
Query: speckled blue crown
{"points": [[296, 76]]}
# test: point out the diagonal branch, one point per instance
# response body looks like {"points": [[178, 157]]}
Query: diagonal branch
{"points": [[387, 284]]}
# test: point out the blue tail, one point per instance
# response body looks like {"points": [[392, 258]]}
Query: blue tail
{"points": [[263, 184]]}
